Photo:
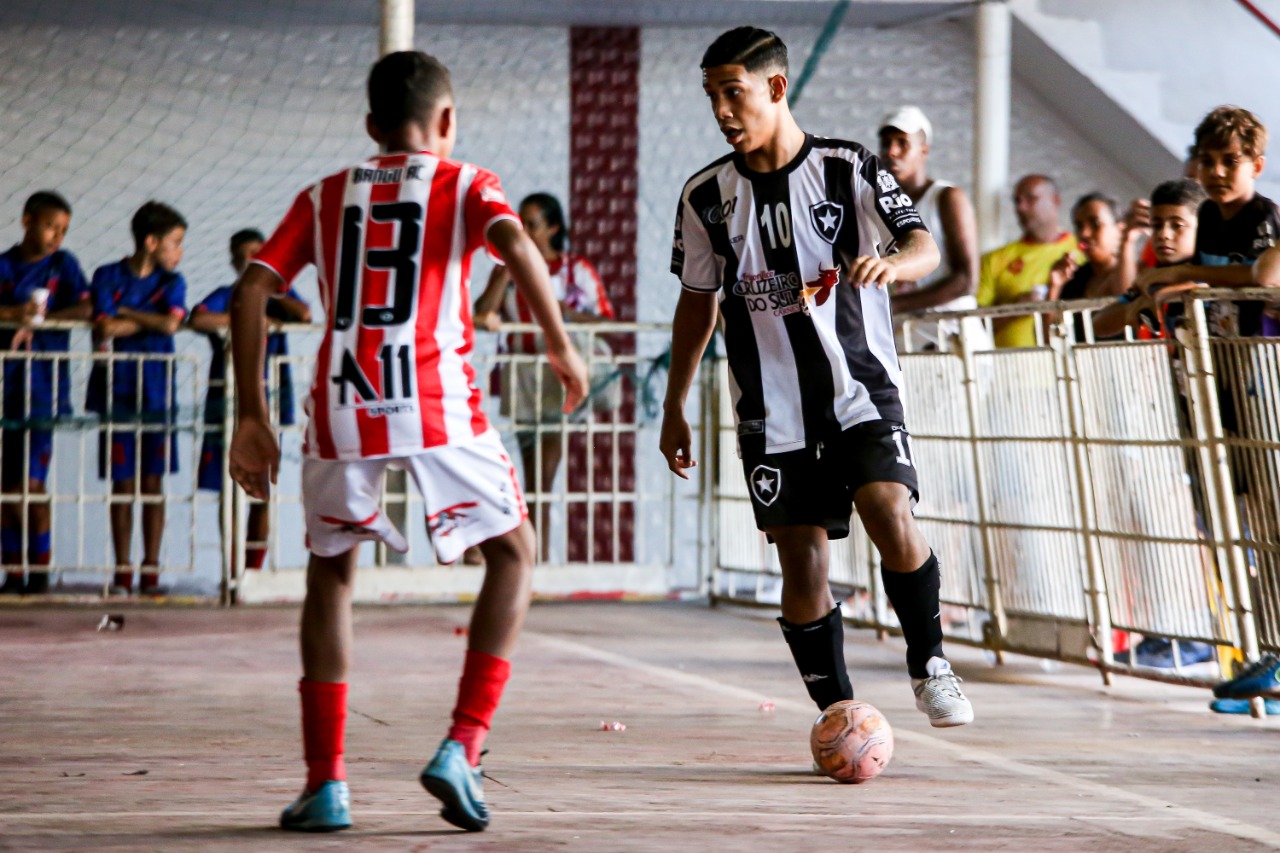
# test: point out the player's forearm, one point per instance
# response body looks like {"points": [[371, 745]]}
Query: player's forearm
{"points": [[529, 271], [1231, 275], [1266, 271], [248, 339], [296, 310], [82, 310], [491, 299], [209, 321], [118, 327], [917, 256], [164, 324], [952, 287], [691, 330]]}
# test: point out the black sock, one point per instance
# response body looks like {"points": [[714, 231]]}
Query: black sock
{"points": [[914, 596], [818, 650]]}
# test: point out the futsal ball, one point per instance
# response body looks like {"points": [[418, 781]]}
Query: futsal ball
{"points": [[851, 741]]}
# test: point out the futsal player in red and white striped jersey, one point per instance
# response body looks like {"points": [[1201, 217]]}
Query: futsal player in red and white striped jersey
{"points": [[391, 240]]}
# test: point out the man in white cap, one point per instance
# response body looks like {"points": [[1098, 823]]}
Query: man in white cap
{"points": [[905, 136]]}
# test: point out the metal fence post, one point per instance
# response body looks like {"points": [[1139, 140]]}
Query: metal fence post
{"points": [[997, 626], [229, 499], [1207, 422], [1096, 588]]}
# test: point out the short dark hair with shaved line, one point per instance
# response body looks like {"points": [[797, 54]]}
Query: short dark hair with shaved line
{"points": [[754, 49]]}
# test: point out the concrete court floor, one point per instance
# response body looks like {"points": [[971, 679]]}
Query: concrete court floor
{"points": [[181, 733]]}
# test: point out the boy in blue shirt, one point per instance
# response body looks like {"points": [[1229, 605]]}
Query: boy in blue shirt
{"points": [[212, 316], [138, 304], [33, 271]]}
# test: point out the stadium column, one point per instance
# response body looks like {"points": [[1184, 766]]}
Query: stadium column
{"points": [[992, 31], [604, 92], [395, 34]]}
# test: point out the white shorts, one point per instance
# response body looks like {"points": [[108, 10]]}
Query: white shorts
{"points": [[470, 492]]}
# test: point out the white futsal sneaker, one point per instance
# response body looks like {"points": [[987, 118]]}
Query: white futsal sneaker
{"points": [[940, 696]]}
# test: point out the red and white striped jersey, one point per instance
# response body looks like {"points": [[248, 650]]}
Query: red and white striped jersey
{"points": [[392, 241], [576, 285]]}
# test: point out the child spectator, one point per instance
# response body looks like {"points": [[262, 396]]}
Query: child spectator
{"points": [[139, 303], [212, 316], [1236, 224], [38, 279]]}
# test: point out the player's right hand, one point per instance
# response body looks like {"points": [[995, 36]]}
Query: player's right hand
{"points": [[676, 444], [255, 457], [572, 373]]}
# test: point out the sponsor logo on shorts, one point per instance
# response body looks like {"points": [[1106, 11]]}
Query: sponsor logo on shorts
{"points": [[755, 427], [766, 483], [450, 518]]}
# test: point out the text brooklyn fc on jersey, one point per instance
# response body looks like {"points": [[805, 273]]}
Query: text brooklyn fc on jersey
{"points": [[810, 355]]}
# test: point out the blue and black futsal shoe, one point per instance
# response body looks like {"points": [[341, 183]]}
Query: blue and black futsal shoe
{"points": [[325, 810], [1259, 677], [452, 780]]}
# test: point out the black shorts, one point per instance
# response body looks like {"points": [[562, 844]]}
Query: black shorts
{"points": [[815, 485]]}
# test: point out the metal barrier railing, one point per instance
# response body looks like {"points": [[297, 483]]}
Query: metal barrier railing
{"points": [[1077, 490], [612, 520]]}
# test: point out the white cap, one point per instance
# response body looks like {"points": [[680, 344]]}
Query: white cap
{"points": [[909, 119]]}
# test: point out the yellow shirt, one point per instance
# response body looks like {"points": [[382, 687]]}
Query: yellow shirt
{"points": [[1010, 273]]}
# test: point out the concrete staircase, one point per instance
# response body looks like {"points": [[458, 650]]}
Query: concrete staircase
{"points": [[1135, 76]]}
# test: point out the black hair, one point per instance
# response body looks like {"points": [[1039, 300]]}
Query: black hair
{"points": [[1183, 191], [406, 86], [154, 219], [45, 200], [553, 213], [1089, 198], [751, 47], [246, 235]]}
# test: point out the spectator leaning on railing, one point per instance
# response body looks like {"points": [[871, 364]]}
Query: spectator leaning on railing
{"points": [[38, 279], [139, 304], [1019, 272], [213, 316], [905, 137]]}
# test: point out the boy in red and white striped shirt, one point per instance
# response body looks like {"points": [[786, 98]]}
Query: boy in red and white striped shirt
{"points": [[392, 240]]}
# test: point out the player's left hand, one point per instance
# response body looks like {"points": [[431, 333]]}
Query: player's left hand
{"points": [[866, 271], [255, 457]]}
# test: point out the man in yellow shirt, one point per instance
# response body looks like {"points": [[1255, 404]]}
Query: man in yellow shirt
{"points": [[1019, 272]]}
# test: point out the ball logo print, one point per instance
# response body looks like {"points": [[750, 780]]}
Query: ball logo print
{"points": [[827, 217], [766, 484]]}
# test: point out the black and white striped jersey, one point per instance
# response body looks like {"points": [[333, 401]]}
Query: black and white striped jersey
{"points": [[809, 355]]}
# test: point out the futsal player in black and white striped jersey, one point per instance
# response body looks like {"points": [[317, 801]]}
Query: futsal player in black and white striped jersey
{"points": [[795, 238]]}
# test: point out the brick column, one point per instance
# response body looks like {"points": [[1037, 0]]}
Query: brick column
{"points": [[604, 92]]}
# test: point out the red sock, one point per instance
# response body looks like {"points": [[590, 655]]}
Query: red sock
{"points": [[255, 557], [324, 723], [483, 677]]}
